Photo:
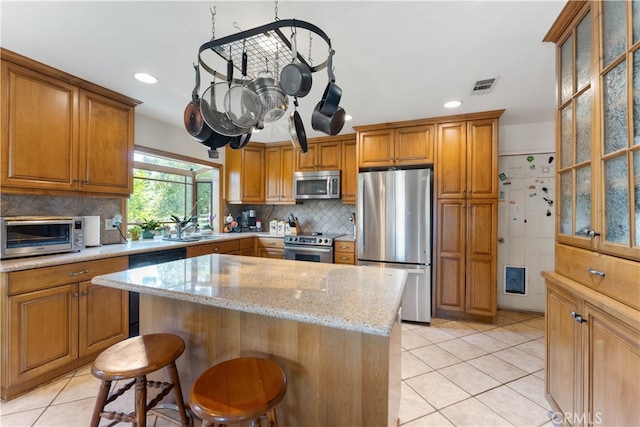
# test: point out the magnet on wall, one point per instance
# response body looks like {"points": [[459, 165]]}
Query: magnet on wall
{"points": [[502, 176], [530, 159], [548, 212], [550, 159]]}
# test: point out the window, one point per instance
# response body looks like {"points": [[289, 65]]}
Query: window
{"points": [[166, 184]]}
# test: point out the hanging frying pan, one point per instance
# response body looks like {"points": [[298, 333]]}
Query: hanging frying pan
{"points": [[296, 130], [295, 78], [332, 93], [193, 120]]}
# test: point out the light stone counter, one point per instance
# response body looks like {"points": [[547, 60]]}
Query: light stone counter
{"points": [[360, 299], [108, 251]]}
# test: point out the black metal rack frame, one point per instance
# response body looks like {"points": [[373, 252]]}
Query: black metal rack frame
{"points": [[266, 47]]}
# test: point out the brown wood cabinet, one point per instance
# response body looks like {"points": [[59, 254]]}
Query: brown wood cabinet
{"points": [[322, 154], [279, 166], [592, 357], [344, 252], [244, 171], [349, 179], [466, 182], [593, 297], [56, 320], [62, 134], [466, 258], [271, 247], [405, 146], [245, 246], [467, 164]]}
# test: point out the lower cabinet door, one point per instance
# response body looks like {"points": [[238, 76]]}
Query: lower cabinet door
{"points": [[612, 359], [564, 353], [43, 331], [104, 317]]}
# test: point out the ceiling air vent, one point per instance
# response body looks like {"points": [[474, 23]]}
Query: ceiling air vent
{"points": [[484, 86]]}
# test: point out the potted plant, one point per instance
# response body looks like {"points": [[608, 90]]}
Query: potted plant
{"points": [[148, 226], [134, 232]]}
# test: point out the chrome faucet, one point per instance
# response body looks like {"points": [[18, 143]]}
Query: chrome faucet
{"points": [[181, 229]]}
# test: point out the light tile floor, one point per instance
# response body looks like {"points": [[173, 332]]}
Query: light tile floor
{"points": [[454, 373]]}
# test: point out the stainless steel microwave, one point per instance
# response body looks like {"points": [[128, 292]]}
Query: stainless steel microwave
{"points": [[316, 185], [24, 236]]}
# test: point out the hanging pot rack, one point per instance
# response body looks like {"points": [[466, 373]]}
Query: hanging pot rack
{"points": [[267, 48]]}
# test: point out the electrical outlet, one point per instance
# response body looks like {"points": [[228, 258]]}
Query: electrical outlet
{"points": [[108, 224]]}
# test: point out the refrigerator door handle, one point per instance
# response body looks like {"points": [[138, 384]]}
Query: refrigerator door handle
{"points": [[415, 270]]}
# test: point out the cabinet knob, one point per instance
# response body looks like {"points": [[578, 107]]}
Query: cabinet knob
{"points": [[216, 249], [577, 317], [76, 295], [85, 293]]}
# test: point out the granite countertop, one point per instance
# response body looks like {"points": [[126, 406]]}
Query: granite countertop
{"points": [[122, 249], [361, 299]]}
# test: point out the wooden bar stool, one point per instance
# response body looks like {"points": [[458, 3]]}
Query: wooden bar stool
{"points": [[239, 390], [134, 358]]}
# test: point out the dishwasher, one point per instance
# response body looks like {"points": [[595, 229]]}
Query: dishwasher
{"points": [[143, 260]]}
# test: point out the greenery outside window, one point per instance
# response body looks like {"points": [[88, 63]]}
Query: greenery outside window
{"points": [[166, 184]]}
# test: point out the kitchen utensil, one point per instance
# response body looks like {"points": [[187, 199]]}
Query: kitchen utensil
{"points": [[331, 125], [332, 93], [240, 141], [193, 120], [242, 105], [296, 130], [274, 101], [295, 78], [217, 120]]}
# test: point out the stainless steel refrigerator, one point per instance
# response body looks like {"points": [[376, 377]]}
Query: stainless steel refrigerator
{"points": [[393, 230]]}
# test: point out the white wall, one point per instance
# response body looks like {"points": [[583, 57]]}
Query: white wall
{"points": [[152, 133], [527, 138]]}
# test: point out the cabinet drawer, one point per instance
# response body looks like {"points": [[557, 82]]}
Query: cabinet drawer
{"points": [[345, 247], [213, 248], [271, 242], [620, 280], [343, 258], [47, 277]]}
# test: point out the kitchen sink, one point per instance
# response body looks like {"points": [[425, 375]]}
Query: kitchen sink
{"points": [[191, 238]]}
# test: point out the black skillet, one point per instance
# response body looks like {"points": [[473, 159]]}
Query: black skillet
{"points": [[296, 129], [193, 121]]}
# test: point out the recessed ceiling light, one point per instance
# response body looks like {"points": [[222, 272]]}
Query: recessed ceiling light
{"points": [[347, 117], [146, 78], [452, 104]]}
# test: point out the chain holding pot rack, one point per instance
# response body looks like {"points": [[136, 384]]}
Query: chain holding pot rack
{"points": [[267, 49]]}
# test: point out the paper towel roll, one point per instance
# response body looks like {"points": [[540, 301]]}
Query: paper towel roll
{"points": [[92, 230]]}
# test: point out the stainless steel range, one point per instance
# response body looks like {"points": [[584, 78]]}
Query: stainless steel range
{"points": [[316, 247]]}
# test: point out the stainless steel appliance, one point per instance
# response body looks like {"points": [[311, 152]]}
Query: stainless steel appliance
{"points": [[314, 248], [316, 185], [23, 236], [394, 231]]}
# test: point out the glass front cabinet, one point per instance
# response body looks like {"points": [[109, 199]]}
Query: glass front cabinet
{"points": [[592, 336], [598, 146]]}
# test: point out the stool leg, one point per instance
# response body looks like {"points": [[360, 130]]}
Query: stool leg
{"points": [[141, 401], [101, 400], [177, 391], [273, 420]]}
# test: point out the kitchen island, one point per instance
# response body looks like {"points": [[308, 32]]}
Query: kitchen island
{"points": [[333, 329]]}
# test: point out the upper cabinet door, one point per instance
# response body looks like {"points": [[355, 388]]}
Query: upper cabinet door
{"points": [[451, 164], [375, 148], [106, 160], [39, 130], [414, 145], [482, 157]]}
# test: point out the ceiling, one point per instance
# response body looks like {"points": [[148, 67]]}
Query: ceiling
{"points": [[394, 60]]}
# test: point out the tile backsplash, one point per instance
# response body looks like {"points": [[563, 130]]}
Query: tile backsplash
{"points": [[326, 216], [19, 205]]}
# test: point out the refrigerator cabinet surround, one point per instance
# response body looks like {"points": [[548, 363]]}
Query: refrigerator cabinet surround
{"points": [[394, 231]]}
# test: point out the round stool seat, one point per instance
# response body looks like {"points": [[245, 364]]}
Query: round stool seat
{"points": [[238, 390], [137, 356]]}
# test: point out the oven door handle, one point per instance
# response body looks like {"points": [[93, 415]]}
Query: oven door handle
{"points": [[307, 249]]}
